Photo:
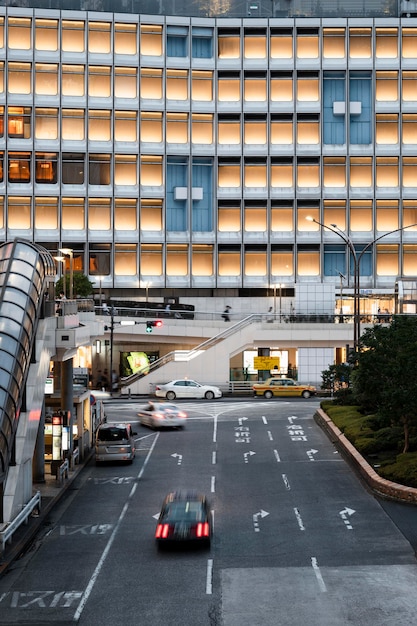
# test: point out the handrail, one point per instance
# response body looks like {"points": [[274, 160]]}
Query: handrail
{"points": [[7, 534], [62, 471]]}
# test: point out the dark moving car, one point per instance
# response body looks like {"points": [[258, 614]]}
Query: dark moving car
{"points": [[185, 517]]}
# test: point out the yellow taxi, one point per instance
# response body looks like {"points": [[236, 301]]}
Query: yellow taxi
{"points": [[282, 387]]}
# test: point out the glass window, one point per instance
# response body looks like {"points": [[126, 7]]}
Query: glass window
{"points": [[73, 125], [73, 213], [254, 130], [334, 212], [125, 214], [281, 87], [361, 215], [306, 210], [229, 217], [151, 260], [46, 79], [19, 78], [281, 130], [46, 34], [19, 167], [387, 128], [19, 122], [281, 43], [99, 125], [176, 84], [125, 259], [46, 123], [386, 44], [229, 129], [19, 33], [126, 169], [308, 261], [201, 86], [282, 219], [177, 127], [99, 37], [151, 214], [229, 87], [73, 78], [151, 170], [2, 77], [46, 213], [409, 128], [308, 130], [307, 87], [125, 38], [409, 86], [1, 121], [409, 259], [409, 172], [334, 172], [151, 127], [202, 42], [229, 173], [229, 44], [46, 169], [99, 167], [202, 258], [19, 214], [254, 88], [125, 126], [282, 261], [150, 84], [125, 82], [361, 172], [360, 43], [254, 44], [202, 128], [387, 86], [99, 81], [73, 36], [308, 173], [307, 44], [151, 40], [387, 215], [387, 174], [334, 44], [99, 213], [73, 168], [255, 262], [255, 173], [282, 172], [99, 262], [410, 214], [2, 32], [1, 167], [229, 261], [387, 259], [177, 41], [177, 260], [254, 218], [408, 47]]}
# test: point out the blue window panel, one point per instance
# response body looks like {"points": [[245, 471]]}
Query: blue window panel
{"points": [[334, 126], [360, 90], [177, 41], [176, 209], [365, 264], [202, 43], [202, 210], [334, 260]]}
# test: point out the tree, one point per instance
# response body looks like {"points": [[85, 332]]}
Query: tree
{"points": [[82, 287], [385, 378]]}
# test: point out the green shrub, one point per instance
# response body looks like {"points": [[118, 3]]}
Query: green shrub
{"points": [[403, 471]]}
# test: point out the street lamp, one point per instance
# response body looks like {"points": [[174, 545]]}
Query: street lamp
{"points": [[356, 270], [69, 252], [146, 284]]}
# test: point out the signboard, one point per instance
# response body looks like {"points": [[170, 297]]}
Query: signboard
{"points": [[266, 362], [49, 385]]}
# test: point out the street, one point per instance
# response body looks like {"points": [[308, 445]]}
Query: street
{"points": [[297, 537]]}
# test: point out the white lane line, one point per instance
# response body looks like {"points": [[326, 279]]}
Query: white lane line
{"points": [[214, 457], [209, 577], [270, 437], [213, 484], [286, 482], [265, 421], [215, 429], [317, 572], [93, 579], [299, 520], [277, 456]]}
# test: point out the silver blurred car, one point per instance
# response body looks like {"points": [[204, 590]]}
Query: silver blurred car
{"points": [[114, 442], [162, 415], [185, 388]]}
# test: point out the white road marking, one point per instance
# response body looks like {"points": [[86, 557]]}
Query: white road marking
{"points": [[317, 572], [265, 421], [270, 437], [277, 456], [299, 520], [209, 577], [213, 484], [286, 482], [214, 457]]}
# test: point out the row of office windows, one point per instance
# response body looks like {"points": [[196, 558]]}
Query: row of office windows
{"points": [[101, 37], [203, 260], [129, 215]]}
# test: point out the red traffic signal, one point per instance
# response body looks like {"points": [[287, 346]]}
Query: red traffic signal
{"points": [[153, 324], [158, 323]]}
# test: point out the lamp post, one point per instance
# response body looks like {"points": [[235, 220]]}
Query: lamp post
{"points": [[69, 252], [356, 270]]}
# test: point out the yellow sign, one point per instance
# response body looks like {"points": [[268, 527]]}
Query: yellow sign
{"points": [[266, 362]]}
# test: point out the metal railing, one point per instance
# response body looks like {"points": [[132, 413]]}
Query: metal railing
{"points": [[8, 532]]}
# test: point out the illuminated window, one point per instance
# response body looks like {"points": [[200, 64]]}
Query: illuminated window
{"points": [[19, 33], [386, 45], [387, 261], [361, 172], [254, 218], [125, 38], [387, 128], [255, 261], [46, 34], [99, 81], [281, 87], [254, 130], [229, 173], [202, 260], [334, 44], [19, 122], [281, 44], [387, 215], [229, 44], [229, 261], [282, 218], [99, 125], [229, 87], [360, 43], [334, 212], [307, 43], [202, 128], [151, 214], [307, 209], [151, 170], [73, 124], [73, 36], [151, 260], [409, 86], [177, 84], [19, 167], [99, 261], [73, 78], [99, 37], [409, 172], [2, 32], [125, 259], [282, 260], [386, 86], [126, 169], [125, 82], [308, 173], [229, 217], [408, 47], [410, 214], [254, 44], [1, 121], [409, 259], [151, 84], [308, 129], [282, 172], [46, 213], [126, 126], [409, 121], [361, 215], [46, 123], [73, 168], [308, 261], [151, 40], [201, 86], [334, 172], [255, 173], [307, 87], [1, 167], [46, 170], [177, 127], [125, 214], [73, 214], [46, 79], [2, 77], [99, 169], [177, 260], [387, 174], [229, 130], [19, 80], [151, 127], [281, 130], [99, 213], [254, 87], [19, 213]]}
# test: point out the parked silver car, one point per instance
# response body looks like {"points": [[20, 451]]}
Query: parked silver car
{"points": [[114, 442]]}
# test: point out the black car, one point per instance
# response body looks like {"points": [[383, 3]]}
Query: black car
{"points": [[185, 517]]}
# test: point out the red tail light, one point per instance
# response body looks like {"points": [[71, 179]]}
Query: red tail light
{"points": [[162, 531], [182, 414], [203, 530]]}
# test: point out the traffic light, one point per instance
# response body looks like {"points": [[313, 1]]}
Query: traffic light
{"points": [[151, 324]]}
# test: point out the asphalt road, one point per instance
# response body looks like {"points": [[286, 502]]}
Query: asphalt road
{"points": [[297, 537]]}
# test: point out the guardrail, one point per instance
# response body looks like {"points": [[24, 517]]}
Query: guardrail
{"points": [[7, 534], [63, 471]]}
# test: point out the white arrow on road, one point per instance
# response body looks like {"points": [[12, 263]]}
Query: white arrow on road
{"points": [[260, 514], [311, 453], [292, 418], [246, 455], [345, 514], [242, 419], [178, 456]]}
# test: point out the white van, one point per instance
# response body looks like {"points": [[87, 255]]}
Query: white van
{"points": [[114, 442]]}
